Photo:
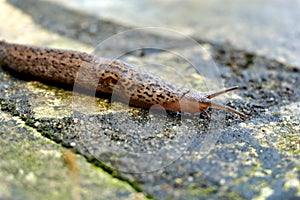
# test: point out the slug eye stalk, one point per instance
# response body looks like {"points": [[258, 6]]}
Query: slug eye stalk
{"points": [[210, 103]]}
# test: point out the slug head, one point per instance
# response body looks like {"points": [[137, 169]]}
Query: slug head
{"points": [[192, 102]]}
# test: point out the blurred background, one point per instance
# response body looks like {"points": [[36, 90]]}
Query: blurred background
{"points": [[269, 27], [255, 44]]}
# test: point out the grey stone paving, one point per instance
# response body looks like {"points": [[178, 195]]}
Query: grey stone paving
{"points": [[176, 156]]}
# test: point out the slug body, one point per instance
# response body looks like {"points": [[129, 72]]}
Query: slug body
{"points": [[108, 76]]}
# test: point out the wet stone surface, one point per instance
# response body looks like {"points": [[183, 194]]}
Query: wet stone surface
{"points": [[247, 154], [179, 156], [33, 167]]}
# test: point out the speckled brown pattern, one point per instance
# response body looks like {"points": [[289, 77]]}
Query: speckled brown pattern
{"points": [[113, 76]]}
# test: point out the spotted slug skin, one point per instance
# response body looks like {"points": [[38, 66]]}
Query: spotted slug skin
{"points": [[90, 72]]}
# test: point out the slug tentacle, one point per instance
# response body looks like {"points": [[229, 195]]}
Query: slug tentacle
{"points": [[211, 95], [226, 108], [193, 102], [113, 76]]}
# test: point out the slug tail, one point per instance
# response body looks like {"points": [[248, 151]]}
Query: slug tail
{"points": [[2, 50]]}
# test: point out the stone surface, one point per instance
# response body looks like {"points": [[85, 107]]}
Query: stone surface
{"points": [[268, 28], [177, 156], [32, 166]]}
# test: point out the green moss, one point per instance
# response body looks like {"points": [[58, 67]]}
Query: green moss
{"points": [[33, 168], [290, 140], [195, 191], [117, 175], [235, 196]]}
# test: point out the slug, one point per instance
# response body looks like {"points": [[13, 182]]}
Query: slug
{"points": [[113, 76]]}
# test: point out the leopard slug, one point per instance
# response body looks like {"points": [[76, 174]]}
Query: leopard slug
{"points": [[113, 76]]}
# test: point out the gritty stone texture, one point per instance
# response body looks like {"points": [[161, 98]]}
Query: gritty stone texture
{"points": [[33, 167], [178, 156]]}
